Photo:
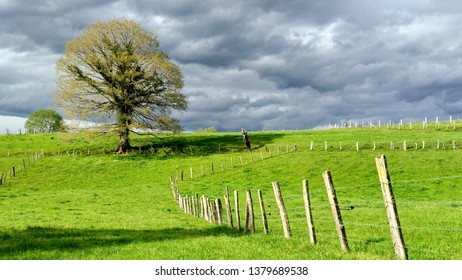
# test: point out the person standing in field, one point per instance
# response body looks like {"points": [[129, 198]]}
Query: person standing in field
{"points": [[246, 139]]}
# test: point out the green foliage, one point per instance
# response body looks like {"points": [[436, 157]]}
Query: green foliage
{"points": [[101, 206], [44, 121]]}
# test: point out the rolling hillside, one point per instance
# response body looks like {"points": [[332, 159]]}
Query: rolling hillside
{"points": [[72, 198]]}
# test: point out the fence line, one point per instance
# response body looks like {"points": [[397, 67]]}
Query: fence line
{"points": [[403, 145], [394, 183], [410, 124], [210, 168], [14, 169], [370, 225], [297, 215]]}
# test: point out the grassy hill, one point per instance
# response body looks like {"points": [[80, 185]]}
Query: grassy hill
{"points": [[80, 201]]}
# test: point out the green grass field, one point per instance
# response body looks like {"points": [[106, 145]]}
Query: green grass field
{"points": [[80, 201]]}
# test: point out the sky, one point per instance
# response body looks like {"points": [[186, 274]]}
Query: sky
{"points": [[259, 65]]}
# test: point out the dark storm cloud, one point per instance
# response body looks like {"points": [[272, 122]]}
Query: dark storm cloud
{"points": [[46, 23], [261, 64]]}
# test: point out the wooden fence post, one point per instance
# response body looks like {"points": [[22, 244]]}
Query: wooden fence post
{"points": [[219, 211], [185, 204], [236, 202], [172, 185], [191, 206], [181, 175], [191, 172], [390, 206], [180, 201], [249, 214], [309, 217], [282, 210], [213, 214], [201, 213], [196, 198], [204, 212], [263, 212], [229, 215], [335, 210]]}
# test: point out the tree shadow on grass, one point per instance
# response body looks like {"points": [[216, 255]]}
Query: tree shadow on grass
{"points": [[37, 239], [208, 143]]}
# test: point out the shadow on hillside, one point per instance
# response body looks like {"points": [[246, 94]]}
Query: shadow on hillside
{"points": [[49, 239], [208, 143]]}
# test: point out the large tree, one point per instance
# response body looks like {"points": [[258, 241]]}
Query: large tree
{"points": [[116, 71], [44, 121]]}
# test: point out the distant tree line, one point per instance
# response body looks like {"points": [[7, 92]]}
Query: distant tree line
{"points": [[208, 129]]}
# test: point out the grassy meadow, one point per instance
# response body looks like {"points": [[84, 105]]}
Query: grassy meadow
{"points": [[81, 201]]}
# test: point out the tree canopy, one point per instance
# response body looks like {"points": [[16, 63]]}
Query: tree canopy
{"points": [[115, 72], [44, 121]]}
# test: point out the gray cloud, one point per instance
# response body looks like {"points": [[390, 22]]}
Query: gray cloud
{"points": [[261, 65]]}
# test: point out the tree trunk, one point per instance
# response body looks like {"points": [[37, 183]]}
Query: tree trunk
{"points": [[124, 122], [124, 144]]}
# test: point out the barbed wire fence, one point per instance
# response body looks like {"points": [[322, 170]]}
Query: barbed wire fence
{"points": [[22, 162], [364, 221]]}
